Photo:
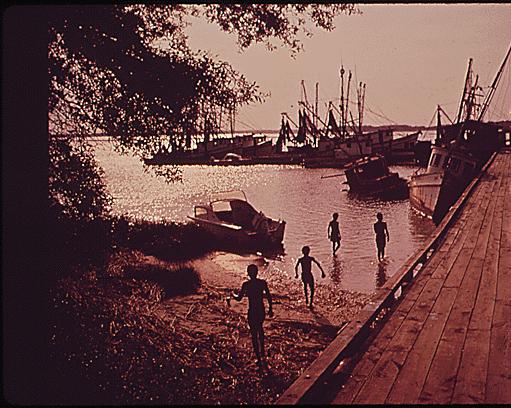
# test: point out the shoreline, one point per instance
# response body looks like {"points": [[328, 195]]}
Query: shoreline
{"points": [[210, 341]]}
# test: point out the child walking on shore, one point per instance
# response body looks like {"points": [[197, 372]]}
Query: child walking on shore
{"points": [[256, 290], [307, 278]]}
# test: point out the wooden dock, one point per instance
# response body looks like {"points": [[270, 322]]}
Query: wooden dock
{"points": [[447, 340]]}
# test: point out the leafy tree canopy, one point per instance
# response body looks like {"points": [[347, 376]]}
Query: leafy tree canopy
{"points": [[109, 73]]}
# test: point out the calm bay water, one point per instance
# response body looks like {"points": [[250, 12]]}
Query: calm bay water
{"points": [[295, 194]]}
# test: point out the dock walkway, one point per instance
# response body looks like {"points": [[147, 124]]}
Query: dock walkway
{"points": [[449, 339]]}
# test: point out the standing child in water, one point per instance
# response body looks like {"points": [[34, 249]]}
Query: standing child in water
{"points": [[307, 278], [380, 228], [334, 234]]}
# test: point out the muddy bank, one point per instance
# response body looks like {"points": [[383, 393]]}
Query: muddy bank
{"points": [[125, 342]]}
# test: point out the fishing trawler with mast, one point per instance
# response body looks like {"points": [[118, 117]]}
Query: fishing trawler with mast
{"points": [[328, 143], [366, 169], [459, 151], [335, 146]]}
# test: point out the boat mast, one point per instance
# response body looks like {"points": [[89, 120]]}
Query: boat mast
{"points": [[438, 126], [469, 104], [355, 134], [361, 90], [343, 126], [316, 115], [347, 108], [306, 107], [309, 109], [327, 121], [467, 80], [494, 85], [233, 117], [471, 99]]}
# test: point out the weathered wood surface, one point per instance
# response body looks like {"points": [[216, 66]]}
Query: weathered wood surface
{"points": [[449, 340]]}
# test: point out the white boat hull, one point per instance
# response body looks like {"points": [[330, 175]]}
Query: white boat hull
{"points": [[233, 221], [425, 191], [238, 236]]}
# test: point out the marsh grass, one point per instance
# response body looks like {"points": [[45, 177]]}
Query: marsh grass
{"points": [[168, 241], [104, 332], [174, 281]]}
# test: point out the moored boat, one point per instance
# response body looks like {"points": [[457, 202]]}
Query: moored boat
{"points": [[459, 152], [370, 175], [231, 159], [231, 219]]}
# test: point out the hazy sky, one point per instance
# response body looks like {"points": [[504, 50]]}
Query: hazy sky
{"points": [[412, 57]]}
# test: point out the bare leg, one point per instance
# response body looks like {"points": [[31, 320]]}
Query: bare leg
{"points": [[306, 294], [312, 292], [261, 340], [255, 343]]}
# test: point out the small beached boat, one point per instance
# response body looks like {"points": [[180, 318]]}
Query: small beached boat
{"points": [[370, 175], [230, 218]]}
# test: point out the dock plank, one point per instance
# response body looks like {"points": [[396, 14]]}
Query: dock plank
{"points": [[410, 380], [498, 385], [442, 377], [444, 371], [472, 230], [359, 375], [471, 381], [459, 255], [379, 382]]}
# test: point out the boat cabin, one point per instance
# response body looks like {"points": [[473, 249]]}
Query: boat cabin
{"points": [[371, 175], [438, 159], [230, 211], [370, 167], [461, 165]]}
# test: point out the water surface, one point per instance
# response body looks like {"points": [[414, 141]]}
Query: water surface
{"points": [[295, 194]]}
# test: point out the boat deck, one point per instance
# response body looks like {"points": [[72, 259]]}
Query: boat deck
{"points": [[449, 340]]}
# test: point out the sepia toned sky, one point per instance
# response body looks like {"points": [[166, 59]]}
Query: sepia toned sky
{"points": [[411, 56]]}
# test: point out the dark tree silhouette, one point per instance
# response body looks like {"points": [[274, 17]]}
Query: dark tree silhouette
{"points": [[128, 71]]}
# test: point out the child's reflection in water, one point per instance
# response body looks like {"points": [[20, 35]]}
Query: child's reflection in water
{"points": [[337, 270], [381, 275]]}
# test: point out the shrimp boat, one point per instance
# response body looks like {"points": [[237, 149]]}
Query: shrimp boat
{"points": [[370, 175], [232, 219], [459, 152]]}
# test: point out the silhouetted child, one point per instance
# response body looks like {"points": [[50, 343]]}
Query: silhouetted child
{"points": [[380, 228], [256, 289], [307, 278], [334, 234]]}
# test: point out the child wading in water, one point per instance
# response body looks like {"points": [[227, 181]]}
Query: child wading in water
{"points": [[334, 234], [307, 278], [380, 228]]}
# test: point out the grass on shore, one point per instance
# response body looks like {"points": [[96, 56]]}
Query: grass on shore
{"points": [[168, 241], [107, 341], [113, 340]]}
